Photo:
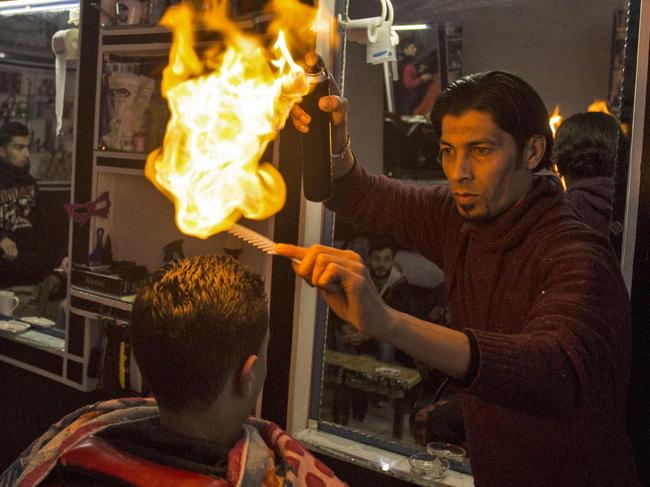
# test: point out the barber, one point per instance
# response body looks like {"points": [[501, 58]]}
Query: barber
{"points": [[541, 338]]}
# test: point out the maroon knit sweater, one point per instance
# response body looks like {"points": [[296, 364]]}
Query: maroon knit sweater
{"points": [[544, 300]]}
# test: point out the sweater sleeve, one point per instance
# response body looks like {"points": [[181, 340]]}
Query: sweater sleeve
{"points": [[574, 347], [417, 217]]}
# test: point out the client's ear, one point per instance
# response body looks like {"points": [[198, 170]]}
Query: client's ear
{"points": [[247, 376]]}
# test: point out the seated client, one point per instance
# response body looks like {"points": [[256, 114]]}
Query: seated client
{"points": [[199, 333]]}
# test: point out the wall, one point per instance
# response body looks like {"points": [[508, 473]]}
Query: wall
{"points": [[562, 47], [139, 231], [364, 88]]}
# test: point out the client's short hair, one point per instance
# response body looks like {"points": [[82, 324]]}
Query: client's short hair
{"points": [[514, 105], [194, 324], [586, 145], [10, 130]]}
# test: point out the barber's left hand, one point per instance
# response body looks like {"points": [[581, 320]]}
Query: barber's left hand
{"points": [[345, 284], [335, 105]]}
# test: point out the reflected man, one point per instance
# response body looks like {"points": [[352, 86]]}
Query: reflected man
{"points": [[24, 257], [412, 84], [391, 285], [585, 152]]}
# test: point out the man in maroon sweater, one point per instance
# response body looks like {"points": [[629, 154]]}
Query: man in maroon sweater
{"points": [[541, 320]]}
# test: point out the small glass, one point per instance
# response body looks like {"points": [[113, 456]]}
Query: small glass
{"points": [[428, 467], [447, 450]]}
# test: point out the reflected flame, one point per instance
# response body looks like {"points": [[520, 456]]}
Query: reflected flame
{"points": [[599, 106], [226, 105], [555, 119], [556, 170]]}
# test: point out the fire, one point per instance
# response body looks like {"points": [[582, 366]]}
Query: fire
{"points": [[599, 106], [226, 106], [555, 119]]}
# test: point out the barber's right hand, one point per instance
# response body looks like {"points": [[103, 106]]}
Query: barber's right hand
{"points": [[345, 284], [9, 249]]}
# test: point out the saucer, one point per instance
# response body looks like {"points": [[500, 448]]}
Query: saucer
{"points": [[13, 326], [38, 321]]}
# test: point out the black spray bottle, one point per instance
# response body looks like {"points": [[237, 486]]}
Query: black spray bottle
{"points": [[317, 143]]}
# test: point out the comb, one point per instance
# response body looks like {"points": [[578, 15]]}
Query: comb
{"points": [[255, 239]]}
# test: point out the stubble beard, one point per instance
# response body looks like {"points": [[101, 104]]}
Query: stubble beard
{"points": [[377, 275]]}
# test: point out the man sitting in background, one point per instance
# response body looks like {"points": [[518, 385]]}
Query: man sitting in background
{"points": [[199, 335], [25, 259], [585, 150], [392, 286]]}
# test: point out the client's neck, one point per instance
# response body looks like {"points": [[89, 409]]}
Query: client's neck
{"points": [[219, 423]]}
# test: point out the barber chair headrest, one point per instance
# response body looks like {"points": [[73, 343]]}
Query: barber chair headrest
{"points": [[96, 457]]}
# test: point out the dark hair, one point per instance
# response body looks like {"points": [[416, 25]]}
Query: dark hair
{"points": [[514, 105], [381, 242], [586, 145], [196, 324], [11, 130]]}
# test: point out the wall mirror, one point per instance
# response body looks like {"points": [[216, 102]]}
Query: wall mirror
{"points": [[31, 83], [573, 53]]}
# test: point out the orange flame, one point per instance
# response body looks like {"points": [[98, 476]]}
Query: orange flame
{"points": [[599, 106], [555, 119], [226, 106]]}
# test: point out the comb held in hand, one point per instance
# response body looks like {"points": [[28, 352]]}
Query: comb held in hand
{"points": [[260, 241]]}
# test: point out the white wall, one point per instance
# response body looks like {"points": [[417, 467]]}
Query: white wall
{"points": [[561, 47]]}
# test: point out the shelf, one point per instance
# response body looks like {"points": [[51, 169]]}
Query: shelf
{"points": [[37, 338], [93, 304], [153, 38], [120, 162]]}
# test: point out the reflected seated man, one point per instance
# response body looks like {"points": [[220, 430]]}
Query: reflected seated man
{"points": [[585, 151], [394, 289], [199, 334], [26, 261]]}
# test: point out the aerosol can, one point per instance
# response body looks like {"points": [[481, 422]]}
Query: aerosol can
{"points": [[317, 143]]}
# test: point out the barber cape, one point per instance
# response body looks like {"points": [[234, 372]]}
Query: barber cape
{"points": [[264, 456]]}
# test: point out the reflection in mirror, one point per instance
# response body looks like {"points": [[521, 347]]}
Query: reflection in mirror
{"points": [[35, 158], [572, 56]]}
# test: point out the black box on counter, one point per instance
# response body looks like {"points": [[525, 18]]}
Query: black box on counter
{"points": [[116, 279]]}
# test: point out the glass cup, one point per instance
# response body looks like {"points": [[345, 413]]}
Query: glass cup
{"points": [[425, 466], [447, 450]]}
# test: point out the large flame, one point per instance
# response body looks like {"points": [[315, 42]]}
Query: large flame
{"points": [[226, 106], [555, 119]]}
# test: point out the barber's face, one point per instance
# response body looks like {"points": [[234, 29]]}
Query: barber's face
{"points": [[16, 152], [486, 173], [381, 262]]}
